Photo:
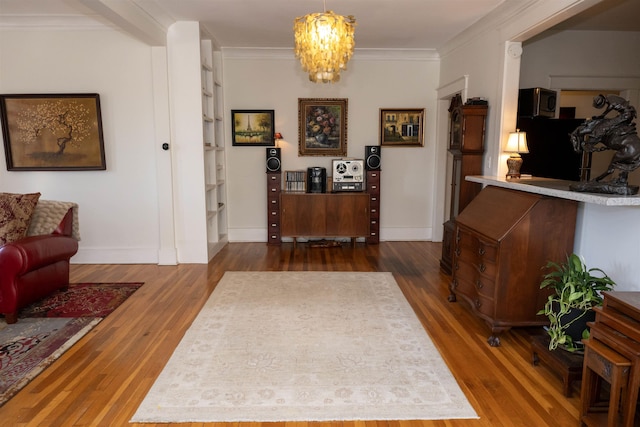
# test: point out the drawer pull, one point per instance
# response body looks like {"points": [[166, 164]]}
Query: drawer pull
{"points": [[481, 251], [458, 252], [482, 268], [274, 190], [454, 284], [477, 303], [479, 284]]}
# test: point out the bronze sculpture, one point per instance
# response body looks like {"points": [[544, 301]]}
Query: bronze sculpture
{"points": [[616, 133]]}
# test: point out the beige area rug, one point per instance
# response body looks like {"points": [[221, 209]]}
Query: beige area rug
{"points": [[305, 346]]}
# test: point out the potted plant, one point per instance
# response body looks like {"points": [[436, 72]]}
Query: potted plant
{"points": [[576, 289]]}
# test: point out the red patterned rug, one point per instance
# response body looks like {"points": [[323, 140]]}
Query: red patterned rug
{"points": [[47, 328]]}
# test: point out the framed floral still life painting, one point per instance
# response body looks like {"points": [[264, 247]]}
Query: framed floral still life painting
{"points": [[52, 132], [402, 127], [322, 127], [252, 128]]}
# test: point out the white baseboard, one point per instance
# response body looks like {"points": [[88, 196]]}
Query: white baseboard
{"points": [[115, 256]]}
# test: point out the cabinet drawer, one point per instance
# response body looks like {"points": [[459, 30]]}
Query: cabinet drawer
{"points": [[485, 286], [463, 286], [274, 227], [273, 203], [477, 247], [274, 238], [484, 305], [273, 214], [482, 274], [473, 283], [274, 177]]}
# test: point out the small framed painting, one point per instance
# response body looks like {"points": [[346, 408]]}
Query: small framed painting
{"points": [[322, 127], [252, 128], [52, 132], [402, 127]]}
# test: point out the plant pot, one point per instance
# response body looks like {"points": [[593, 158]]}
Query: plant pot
{"points": [[576, 328]]}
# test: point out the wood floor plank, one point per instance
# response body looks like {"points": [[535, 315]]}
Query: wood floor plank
{"points": [[102, 379]]}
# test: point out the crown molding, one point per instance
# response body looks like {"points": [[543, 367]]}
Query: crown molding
{"points": [[518, 21], [53, 22], [358, 55]]}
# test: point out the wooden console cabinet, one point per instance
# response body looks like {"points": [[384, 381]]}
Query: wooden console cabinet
{"points": [[503, 239], [324, 215]]}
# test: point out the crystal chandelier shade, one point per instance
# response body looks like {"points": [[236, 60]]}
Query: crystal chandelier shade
{"points": [[324, 44]]}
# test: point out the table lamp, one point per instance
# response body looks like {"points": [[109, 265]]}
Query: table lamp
{"points": [[516, 144]]}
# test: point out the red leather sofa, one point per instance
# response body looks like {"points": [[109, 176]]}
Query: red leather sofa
{"points": [[34, 267]]}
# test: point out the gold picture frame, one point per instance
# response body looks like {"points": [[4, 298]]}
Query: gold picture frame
{"points": [[322, 127], [402, 127], [52, 132]]}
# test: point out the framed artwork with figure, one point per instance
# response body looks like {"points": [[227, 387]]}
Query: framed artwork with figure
{"points": [[322, 127]]}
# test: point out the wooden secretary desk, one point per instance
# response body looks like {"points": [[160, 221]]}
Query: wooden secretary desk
{"points": [[466, 144], [503, 239]]}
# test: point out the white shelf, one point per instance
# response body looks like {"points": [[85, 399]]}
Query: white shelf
{"points": [[214, 160]]}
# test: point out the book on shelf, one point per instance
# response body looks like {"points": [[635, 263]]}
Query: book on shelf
{"points": [[295, 180]]}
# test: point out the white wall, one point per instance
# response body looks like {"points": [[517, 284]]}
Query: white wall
{"points": [[118, 207], [581, 54], [274, 80]]}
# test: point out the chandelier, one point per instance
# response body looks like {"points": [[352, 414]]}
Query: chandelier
{"points": [[324, 44]]}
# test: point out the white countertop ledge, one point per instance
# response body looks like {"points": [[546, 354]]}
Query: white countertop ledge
{"points": [[555, 188]]}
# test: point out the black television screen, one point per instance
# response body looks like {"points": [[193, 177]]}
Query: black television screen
{"points": [[551, 154]]}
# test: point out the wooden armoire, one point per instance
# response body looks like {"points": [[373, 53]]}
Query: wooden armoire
{"points": [[466, 145]]}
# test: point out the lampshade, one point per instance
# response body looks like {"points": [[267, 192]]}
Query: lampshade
{"points": [[324, 44], [517, 142]]}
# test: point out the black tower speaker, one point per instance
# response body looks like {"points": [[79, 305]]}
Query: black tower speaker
{"points": [[372, 157], [273, 159]]}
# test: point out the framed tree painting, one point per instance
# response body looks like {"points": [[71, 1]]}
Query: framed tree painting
{"points": [[322, 127], [252, 128], [402, 127], [52, 132]]}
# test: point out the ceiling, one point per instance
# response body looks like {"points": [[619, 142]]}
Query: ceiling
{"points": [[381, 24]]}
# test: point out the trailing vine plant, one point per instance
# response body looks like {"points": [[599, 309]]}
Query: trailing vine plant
{"points": [[575, 287]]}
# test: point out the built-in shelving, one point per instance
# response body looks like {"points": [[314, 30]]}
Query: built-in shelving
{"points": [[198, 147], [214, 147]]}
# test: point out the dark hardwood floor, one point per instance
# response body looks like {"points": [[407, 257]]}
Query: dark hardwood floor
{"points": [[102, 379]]}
